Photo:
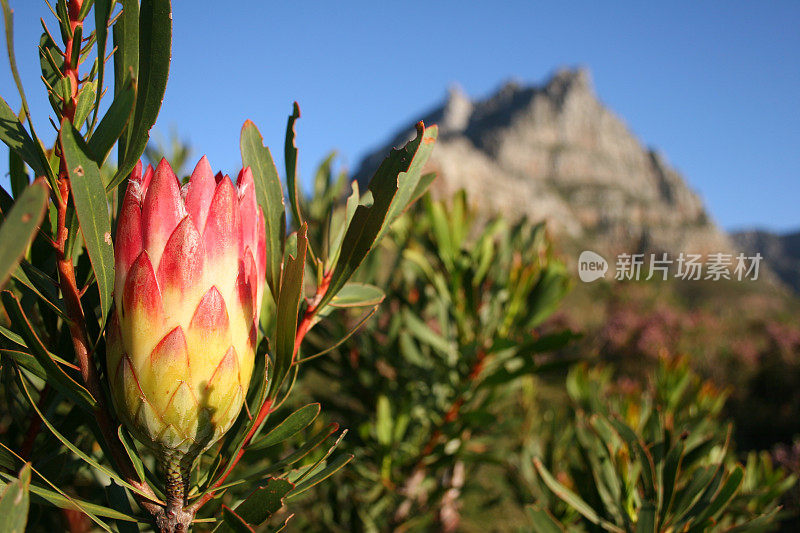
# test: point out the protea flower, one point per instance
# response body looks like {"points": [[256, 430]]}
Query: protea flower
{"points": [[190, 270]]}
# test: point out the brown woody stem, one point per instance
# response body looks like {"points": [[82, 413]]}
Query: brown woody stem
{"points": [[72, 298]]}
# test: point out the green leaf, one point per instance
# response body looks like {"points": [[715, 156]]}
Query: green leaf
{"points": [[547, 294], [635, 443], [289, 297], [18, 176], [369, 221], [269, 194], [16, 137], [384, 424], [265, 501], [408, 182], [155, 46], [42, 164], [55, 374], [332, 467], [721, 499], [133, 453], [84, 106], [20, 226], [113, 123], [91, 207], [72, 447], [14, 503], [118, 499], [293, 424], [646, 522], [672, 465], [102, 13], [572, 499], [290, 158], [542, 521], [426, 335], [233, 522], [42, 285], [358, 295]]}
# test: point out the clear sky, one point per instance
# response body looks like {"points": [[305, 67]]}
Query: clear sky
{"points": [[715, 86]]}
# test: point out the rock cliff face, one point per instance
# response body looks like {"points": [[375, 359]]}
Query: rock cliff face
{"points": [[555, 152], [780, 252]]}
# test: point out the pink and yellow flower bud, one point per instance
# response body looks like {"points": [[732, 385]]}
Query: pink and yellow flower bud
{"points": [[190, 270]]}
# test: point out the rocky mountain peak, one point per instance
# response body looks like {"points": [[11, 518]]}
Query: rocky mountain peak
{"points": [[555, 152]]}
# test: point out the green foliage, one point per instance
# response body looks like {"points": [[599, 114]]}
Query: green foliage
{"points": [[658, 459], [421, 387], [58, 276]]}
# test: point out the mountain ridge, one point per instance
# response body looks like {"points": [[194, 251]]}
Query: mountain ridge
{"points": [[555, 152]]}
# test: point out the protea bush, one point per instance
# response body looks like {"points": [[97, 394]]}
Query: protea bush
{"points": [[135, 338]]}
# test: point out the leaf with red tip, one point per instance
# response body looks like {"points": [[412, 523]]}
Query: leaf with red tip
{"points": [[181, 266], [162, 210], [200, 193]]}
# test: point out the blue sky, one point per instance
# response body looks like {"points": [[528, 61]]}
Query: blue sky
{"points": [[714, 86]]}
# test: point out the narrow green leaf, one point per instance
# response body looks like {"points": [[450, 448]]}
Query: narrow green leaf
{"points": [[572, 499], [133, 453], [289, 297], [14, 503], [102, 14], [368, 220], [233, 522], [26, 361], [155, 46], [58, 495], [646, 521], [18, 176], [293, 424], [542, 521], [358, 295], [16, 137], [74, 449], [265, 501], [635, 443], [55, 374], [672, 465], [270, 198], [85, 102], [91, 207], [332, 467], [408, 182], [113, 123], [118, 499], [290, 158], [20, 226], [366, 316], [42, 285], [383, 421], [721, 499], [8, 17]]}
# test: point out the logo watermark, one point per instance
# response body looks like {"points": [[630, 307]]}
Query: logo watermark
{"points": [[591, 266], [686, 266]]}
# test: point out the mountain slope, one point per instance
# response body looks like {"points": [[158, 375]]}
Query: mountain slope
{"points": [[555, 152]]}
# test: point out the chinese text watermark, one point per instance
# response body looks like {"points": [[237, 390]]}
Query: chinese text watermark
{"points": [[662, 266]]}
